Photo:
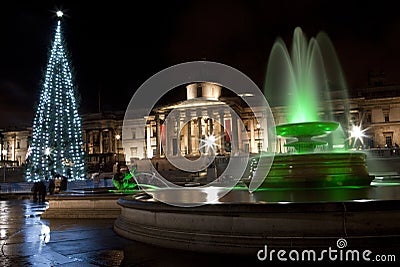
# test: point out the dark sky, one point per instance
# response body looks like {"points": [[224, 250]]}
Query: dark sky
{"points": [[115, 46]]}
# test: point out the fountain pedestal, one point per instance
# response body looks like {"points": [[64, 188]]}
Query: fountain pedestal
{"points": [[317, 170], [307, 169]]}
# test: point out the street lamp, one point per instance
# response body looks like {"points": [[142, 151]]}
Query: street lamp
{"points": [[117, 152]]}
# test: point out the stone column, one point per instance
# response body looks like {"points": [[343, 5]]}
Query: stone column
{"points": [[221, 130], [101, 141], [169, 136], [109, 140], [199, 129], [176, 143], [158, 143], [235, 135], [98, 139], [149, 152], [189, 133], [86, 141], [210, 123], [252, 137]]}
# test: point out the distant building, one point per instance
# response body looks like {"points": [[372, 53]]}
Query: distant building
{"points": [[376, 109], [204, 113], [102, 138], [14, 144]]}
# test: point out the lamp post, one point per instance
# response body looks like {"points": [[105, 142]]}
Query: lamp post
{"points": [[117, 137], [4, 153]]}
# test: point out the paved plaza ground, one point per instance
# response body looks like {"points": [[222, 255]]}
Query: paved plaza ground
{"points": [[28, 240]]}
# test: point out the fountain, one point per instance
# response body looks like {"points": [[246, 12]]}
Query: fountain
{"points": [[311, 196], [303, 82]]}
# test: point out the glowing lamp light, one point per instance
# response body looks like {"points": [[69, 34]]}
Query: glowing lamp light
{"points": [[59, 13], [209, 142], [357, 133]]}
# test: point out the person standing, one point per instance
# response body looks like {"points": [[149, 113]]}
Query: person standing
{"points": [[57, 183], [42, 191], [34, 191], [115, 167], [52, 186], [63, 184]]}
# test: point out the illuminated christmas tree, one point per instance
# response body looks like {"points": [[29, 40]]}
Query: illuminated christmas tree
{"points": [[57, 144]]}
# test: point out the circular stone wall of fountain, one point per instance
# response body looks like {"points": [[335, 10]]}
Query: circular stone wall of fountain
{"points": [[242, 223]]}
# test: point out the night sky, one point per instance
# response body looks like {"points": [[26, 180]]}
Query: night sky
{"points": [[115, 46]]}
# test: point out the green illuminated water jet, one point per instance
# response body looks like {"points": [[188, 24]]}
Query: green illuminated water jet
{"points": [[303, 81], [302, 85]]}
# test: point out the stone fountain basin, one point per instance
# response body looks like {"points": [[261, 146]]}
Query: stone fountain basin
{"points": [[243, 223]]}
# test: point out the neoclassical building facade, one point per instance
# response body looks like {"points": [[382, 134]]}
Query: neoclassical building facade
{"points": [[204, 115], [375, 109]]}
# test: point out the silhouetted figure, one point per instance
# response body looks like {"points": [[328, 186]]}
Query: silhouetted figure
{"points": [[63, 184], [35, 191], [58, 184], [42, 191], [52, 186], [115, 167]]}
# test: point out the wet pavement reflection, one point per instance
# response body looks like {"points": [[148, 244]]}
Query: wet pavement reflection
{"points": [[28, 240]]}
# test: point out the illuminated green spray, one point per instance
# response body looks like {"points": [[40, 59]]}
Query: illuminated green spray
{"points": [[302, 81]]}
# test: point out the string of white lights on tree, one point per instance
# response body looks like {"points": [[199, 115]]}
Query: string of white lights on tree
{"points": [[56, 147]]}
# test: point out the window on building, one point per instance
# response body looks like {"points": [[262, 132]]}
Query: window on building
{"points": [[388, 140], [369, 118], [386, 115], [133, 130], [18, 147], [134, 152], [387, 118]]}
